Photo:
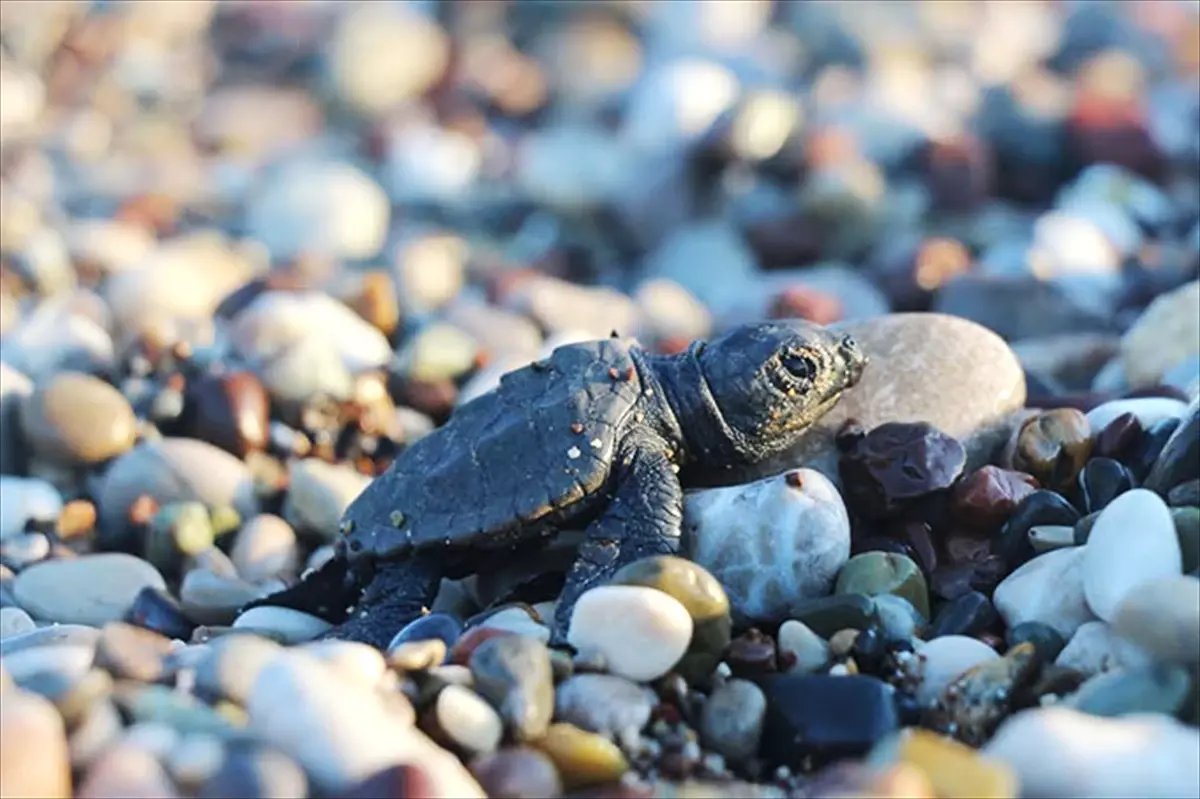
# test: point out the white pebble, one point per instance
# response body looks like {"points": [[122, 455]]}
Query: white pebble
{"points": [[1132, 542], [1049, 589], [25, 498], [1148, 410], [1062, 753], [641, 632], [292, 625], [1094, 649], [810, 650], [946, 658]]}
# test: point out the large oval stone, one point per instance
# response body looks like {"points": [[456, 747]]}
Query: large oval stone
{"points": [[955, 375], [1132, 542]]}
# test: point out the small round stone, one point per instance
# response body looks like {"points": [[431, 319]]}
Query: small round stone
{"points": [[78, 420], [875, 573], [641, 632], [1053, 446], [1132, 542], [703, 597], [463, 720], [988, 497], [582, 758], [801, 651], [732, 720], [518, 772]]}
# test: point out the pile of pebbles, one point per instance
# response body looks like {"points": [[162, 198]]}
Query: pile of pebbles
{"points": [[250, 252]]}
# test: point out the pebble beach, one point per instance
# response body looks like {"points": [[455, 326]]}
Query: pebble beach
{"points": [[250, 252]]}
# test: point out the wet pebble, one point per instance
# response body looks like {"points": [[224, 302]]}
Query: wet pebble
{"points": [[1101, 481], [989, 496], [1133, 541], [641, 632], [800, 513], [969, 615], [513, 674], [1047, 642], [1053, 446], [92, 589], [1179, 460]]}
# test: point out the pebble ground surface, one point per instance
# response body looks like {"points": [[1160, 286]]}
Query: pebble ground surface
{"points": [[251, 251]]}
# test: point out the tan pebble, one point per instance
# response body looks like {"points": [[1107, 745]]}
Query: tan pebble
{"points": [[582, 758], [127, 771], [842, 642], [78, 517], [358, 663], [953, 769], [418, 655], [34, 761]]}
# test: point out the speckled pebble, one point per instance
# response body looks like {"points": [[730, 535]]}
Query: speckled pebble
{"points": [[737, 533], [947, 658], [732, 721]]}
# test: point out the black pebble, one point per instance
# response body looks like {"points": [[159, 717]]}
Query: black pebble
{"points": [[825, 717], [441, 626], [156, 610], [970, 614], [1100, 482], [1047, 642], [1040, 507]]}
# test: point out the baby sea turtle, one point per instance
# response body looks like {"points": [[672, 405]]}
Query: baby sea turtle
{"points": [[601, 436]]}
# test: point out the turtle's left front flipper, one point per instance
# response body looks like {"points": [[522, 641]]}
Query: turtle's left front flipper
{"points": [[644, 519]]}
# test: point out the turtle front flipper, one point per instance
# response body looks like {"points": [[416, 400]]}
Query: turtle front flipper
{"points": [[327, 592], [644, 519], [399, 592]]}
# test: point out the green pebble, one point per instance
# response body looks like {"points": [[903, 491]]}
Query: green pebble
{"points": [[827, 615], [1187, 528], [875, 573], [183, 712], [178, 530], [224, 520], [701, 595]]}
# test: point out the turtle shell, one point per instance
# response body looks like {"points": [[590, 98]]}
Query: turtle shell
{"points": [[510, 463]]}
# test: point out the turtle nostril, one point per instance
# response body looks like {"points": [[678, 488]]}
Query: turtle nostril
{"points": [[854, 358]]}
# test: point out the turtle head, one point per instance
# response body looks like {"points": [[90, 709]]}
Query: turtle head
{"points": [[771, 381]]}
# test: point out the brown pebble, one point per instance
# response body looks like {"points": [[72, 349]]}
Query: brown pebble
{"points": [[985, 499], [1053, 446], [751, 654], [802, 302], [795, 479], [35, 760], [143, 510], [78, 517]]}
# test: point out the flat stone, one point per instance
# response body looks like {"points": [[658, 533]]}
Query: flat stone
{"points": [[1060, 753], [1047, 589], [90, 589], [288, 625], [875, 573], [800, 513], [1132, 542], [953, 374], [828, 615]]}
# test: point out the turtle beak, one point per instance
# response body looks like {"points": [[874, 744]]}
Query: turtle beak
{"points": [[854, 359]]}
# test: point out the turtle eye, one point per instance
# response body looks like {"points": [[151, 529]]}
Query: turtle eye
{"points": [[799, 366]]}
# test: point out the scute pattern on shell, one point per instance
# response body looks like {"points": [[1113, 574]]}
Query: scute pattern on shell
{"points": [[466, 485]]}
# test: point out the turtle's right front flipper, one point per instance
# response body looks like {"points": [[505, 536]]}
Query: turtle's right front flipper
{"points": [[327, 593]]}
